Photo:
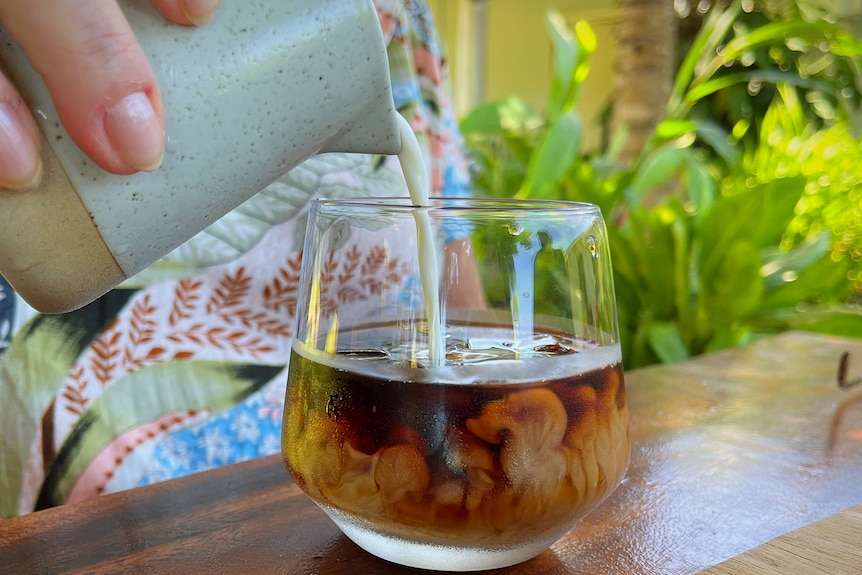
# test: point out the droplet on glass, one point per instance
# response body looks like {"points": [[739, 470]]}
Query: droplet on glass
{"points": [[594, 248]]}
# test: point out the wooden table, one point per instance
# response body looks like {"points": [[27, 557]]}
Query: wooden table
{"points": [[730, 451]]}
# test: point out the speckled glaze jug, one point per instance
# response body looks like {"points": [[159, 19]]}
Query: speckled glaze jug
{"points": [[261, 88]]}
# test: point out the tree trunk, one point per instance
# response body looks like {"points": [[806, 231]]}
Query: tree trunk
{"points": [[645, 69]]}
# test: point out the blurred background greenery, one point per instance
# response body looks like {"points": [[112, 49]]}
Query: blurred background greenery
{"points": [[721, 140]]}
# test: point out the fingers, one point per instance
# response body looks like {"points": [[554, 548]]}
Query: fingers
{"points": [[101, 83], [197, 12], [20, 167], [99, 78]]}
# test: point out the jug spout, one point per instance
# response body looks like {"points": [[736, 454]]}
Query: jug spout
{"points": [[373, 128], [374, 133]]}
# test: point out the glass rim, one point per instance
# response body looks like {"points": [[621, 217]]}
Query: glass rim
{"points": [[461, 204]]}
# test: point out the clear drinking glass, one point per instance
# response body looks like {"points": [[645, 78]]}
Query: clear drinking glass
{"points": [[471, 429]]}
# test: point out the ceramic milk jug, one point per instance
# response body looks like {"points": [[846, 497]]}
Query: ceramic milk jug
{"points": [[262, 87]]}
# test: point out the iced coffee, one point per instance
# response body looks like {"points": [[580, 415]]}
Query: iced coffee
{"points": [[506, 446]]}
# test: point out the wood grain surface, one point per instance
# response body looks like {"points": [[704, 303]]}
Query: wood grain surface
{"points": [[831, 546], [730, 451]]}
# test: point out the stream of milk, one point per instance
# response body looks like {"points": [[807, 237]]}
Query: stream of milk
{"points": [[416, 175]]}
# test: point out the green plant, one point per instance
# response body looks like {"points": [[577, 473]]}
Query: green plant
{"points": [[738, 249], [812, 58]]}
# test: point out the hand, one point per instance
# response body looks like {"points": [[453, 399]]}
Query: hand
{"points": [[99, 78]]}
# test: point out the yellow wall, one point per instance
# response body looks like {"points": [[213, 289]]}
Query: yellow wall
{"points": [[458, 21], [517, 53]]}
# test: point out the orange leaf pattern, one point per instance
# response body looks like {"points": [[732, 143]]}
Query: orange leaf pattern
{"points": [[357, 276], [281, 292], [75, 392], [231, 315], [186, 295]]}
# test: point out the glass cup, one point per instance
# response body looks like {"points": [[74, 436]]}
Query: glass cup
{"points": [[465, 414]]}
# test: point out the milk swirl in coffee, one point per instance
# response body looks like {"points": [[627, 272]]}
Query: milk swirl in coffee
{"points": [[475, 468]]}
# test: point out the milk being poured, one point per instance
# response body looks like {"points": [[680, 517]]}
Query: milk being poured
{"points": [[416, 176]]}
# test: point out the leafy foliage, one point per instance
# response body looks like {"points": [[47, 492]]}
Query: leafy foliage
{"points": [[759, 227]]}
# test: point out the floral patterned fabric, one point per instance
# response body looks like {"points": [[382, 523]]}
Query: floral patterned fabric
{"points": [[182, 368]]}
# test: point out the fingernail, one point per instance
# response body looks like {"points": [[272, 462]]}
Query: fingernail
{"points": [[199, 12], [20, 164], [135, 133]]}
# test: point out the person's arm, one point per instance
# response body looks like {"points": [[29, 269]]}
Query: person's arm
{"points": [[102, 85], [467, 292]]}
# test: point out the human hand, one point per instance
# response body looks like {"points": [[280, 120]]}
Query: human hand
{"points": [[101, 83]]}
